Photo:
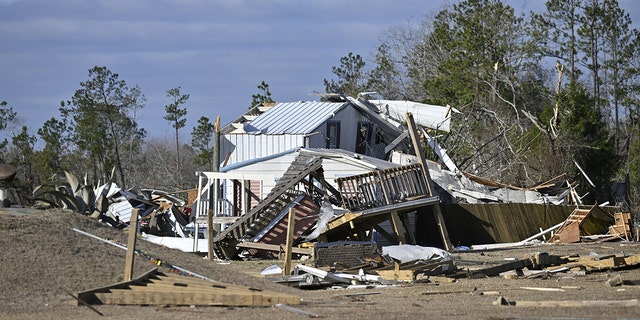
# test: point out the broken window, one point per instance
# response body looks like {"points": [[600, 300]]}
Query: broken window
{"points": [[364, 136]]}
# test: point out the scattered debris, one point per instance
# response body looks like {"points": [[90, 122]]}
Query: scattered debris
{"points": [[585, 303], [354, 215], [582, 222], [297, 310]]}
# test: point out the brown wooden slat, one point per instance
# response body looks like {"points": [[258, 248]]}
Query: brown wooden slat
{"points": [[167, 289], [130, 297]]}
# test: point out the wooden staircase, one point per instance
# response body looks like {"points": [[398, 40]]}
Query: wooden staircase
{"points": [[261, 215], [582, 222], [157, 288]]}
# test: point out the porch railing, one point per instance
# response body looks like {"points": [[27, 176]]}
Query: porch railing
{"points": [[382, 187]]}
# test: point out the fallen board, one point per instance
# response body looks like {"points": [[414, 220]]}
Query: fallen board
{"points": [[157, 288]]}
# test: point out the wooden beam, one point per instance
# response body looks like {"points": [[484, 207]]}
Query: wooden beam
{"points": [[575, 303], [216, 146], [495, 270], [291, 224], [155, 288], [419, 152], [131, 245], [397, 227], [273, 247], [209, 234], [344, 219], [442, 227], [319, 175], [385, 234], [407, 225]]}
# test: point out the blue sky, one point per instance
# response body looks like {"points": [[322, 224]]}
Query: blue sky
{"points": [[217, 51]]}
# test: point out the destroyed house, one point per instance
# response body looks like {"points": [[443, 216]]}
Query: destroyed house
{"points": [[380, 190], [266, 130], [371, 202], [305, 155]]}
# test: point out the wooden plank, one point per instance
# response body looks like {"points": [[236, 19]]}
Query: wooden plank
{"points": [[273, 247], [385, 192], [442, 227], [397, 275], [131, 245], [182, 282], [407, 224], [345, 218], [397, 227], [89, 295], [210, 234], [129, 297], [217, 220], [291, 224], [419, 152], [495, 270], [574, 303], [160, 289]]}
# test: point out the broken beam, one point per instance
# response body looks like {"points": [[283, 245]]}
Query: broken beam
{"points": [[273, 247]]}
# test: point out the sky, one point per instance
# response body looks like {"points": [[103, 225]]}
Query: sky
{"points": [[217, 51]]}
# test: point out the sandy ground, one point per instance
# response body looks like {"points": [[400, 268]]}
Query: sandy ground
{"points": [[44, 261]]}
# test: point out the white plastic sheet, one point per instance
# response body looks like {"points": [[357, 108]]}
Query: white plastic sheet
{"points": [[405, 253]]}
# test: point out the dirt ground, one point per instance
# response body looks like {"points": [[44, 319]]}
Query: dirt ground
{"points": [[44, 261]]}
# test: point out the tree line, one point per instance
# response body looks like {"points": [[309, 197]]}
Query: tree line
{"points": [[539, 96]]}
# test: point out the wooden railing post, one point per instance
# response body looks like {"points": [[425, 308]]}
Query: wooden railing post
{"points": [[131, 245], [419, 152], [289, 244], [425, 169]]}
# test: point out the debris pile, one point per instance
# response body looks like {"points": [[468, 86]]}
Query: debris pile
{"points": [[352, 219], [407, 264], [161, 213]]}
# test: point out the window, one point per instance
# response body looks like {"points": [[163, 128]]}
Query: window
{"points": [[363, 136], [333, 134]]}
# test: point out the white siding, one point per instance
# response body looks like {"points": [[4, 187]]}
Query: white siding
{"points": [[277, 167], [245, 147], [348, 118]]}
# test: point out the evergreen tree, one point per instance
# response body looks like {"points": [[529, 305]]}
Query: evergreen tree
{"points": [[585, 139], [263, 96], [7, 115], [201, 140], [384, 78], [100, 121], [55, 136], [22, 158], [176, 117], [557, 29], [351, 74]]}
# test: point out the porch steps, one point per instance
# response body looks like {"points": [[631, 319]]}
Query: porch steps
{"points": [[281, 195]]}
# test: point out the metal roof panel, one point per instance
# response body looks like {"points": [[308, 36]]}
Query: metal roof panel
{"points": [[294, 117]]}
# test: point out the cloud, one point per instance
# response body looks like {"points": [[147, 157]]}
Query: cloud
{"points": [[217, 51]]}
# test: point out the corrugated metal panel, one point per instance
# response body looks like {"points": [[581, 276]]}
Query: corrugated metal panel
{"points": [[250, 146], [121, 210], [294, 117], [431, 116]]}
